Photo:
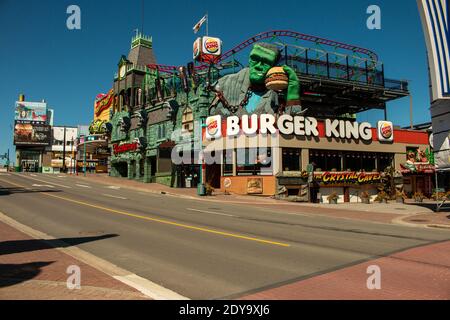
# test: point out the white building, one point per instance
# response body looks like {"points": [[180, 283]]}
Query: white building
{"points": [[53, 162]]}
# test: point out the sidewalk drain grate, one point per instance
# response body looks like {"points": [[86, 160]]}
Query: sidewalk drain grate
{"points": [[400, 208], [419, 220]]}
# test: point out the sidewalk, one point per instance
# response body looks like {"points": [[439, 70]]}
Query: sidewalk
{"points": [[32, 269], [409, 213], [418, 273]]}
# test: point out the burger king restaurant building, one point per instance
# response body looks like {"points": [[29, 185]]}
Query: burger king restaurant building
{"points": [[303, 156]]}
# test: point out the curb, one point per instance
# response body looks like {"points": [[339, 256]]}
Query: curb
{"points": [[400, 221], [147, 287]]}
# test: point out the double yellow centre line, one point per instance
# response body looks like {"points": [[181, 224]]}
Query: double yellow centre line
{"points": [[124, 213]]}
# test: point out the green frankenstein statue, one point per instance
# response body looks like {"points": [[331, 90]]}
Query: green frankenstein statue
{"points": [[245, 92]]}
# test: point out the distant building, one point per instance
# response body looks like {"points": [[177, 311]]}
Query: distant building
{"points": [[55, 153]]}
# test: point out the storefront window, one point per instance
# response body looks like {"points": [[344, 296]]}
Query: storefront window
{"points": [[384, 161], [254, 161], [227, 162], [358, 161], [326, 160], [291, 159]]}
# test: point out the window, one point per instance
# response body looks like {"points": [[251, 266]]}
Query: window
{"points": [[187, 120], [384, 160], [326, 160], [227, 162], [254, 161], [161, 131], [291, 159]]}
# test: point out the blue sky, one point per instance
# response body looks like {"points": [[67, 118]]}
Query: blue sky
{"points": [[41, 58]]}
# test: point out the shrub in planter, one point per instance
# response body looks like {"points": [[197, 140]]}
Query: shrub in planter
{"points": [[400, 196], [365, 197], [209, 189], [382, 197], [332, 198], [418, 196]]}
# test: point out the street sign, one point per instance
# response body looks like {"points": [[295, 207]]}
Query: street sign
{"points": [[309, 168]]}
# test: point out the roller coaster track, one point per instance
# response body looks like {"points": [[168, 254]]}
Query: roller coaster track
{"points": [[276, 34]]}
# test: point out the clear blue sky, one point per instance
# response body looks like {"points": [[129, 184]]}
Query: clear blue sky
{"points": [[41, 58]]}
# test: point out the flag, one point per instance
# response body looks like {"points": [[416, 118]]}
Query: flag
{"points": [[199, 24]]}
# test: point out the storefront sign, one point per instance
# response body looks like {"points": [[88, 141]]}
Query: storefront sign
{"points": [[347, 177], [287, 125], [126, 147], [385, 131]]}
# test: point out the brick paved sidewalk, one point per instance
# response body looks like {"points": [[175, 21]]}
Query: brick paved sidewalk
{"points": [[418, 273], [32, 269]]}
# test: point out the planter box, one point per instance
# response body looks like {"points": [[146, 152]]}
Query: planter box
{"points": [[400, 200], [365, 200], [334, 201], [418, 200]]}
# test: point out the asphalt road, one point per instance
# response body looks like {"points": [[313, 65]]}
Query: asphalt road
{"points": [[202, 250]]}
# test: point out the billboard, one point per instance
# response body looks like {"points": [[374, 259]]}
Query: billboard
{"points": [[29, 134], [102, 106], [35, 112], [435, 22]]}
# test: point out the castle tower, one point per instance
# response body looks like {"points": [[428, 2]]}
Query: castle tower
{"points": [[141, 52]]}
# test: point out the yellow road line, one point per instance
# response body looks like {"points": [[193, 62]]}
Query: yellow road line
{"points": [[158, 220]]}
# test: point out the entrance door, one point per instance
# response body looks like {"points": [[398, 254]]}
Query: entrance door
{"points": [[213, 172]]}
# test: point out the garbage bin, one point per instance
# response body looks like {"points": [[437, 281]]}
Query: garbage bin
{"points": [[188, 182]]}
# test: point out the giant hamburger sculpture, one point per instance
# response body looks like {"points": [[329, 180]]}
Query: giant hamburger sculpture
{"points": [[276, 79]]}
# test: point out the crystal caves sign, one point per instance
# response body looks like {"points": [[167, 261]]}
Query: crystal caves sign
{"points": [[347, 177]]}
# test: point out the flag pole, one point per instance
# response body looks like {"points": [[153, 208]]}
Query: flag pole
{"points": [[207, 22]]}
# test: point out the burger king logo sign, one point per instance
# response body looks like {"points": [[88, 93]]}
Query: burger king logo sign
{"points": [[212, 46], [196, 48], [213, 127], [385, 131]]}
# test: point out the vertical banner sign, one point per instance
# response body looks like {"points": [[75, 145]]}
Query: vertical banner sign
{"points": [[435, 21]]}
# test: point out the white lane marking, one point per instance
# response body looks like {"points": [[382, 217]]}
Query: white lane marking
{"points": [[113, 187], [56, 184], [211, 212], [83, 186], [33, 175], [143, 285], [42, 185], [111, 196], [61, 176], [4, 174]]}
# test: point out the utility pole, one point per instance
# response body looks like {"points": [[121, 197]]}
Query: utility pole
{"points": [[411, 111], [84, 156], [64, 152]]}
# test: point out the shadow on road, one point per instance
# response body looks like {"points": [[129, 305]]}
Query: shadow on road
{"points": [[18, 246], [11, 274], [9, 191], [432, 206]]}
